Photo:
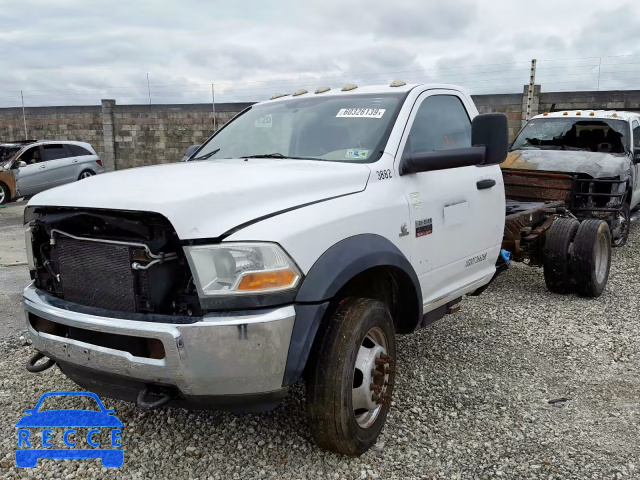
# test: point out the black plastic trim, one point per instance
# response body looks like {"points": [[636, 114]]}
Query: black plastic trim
{"points": [[348, 258], [243, 302], [308, 318]]}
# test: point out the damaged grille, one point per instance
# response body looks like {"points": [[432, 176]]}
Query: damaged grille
{"points": [[112, 261], [96, 274]]}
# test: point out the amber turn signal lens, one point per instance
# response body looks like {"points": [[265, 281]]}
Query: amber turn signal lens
{"points": [[266, 280]]}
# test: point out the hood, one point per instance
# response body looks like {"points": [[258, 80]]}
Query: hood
{"points": [[205, 199], [594, 164]]}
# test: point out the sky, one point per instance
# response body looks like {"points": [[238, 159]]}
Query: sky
{"points": [[78, 51]]}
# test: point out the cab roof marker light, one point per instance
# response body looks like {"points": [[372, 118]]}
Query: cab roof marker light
{"points": [[566, 113], [322, 89], [277, 95], [614, 114], [302, 91], [545, 113], [592, 114], [349, 86], [398, 83], [578, 113]]}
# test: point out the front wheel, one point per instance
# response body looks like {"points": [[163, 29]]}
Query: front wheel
{"points": [[5, 194], [351, 378], [620, 232]]}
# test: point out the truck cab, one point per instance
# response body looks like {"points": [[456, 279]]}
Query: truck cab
{"points": [[297, 242]]}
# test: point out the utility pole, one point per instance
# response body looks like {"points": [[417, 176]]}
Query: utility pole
{"points": [[527, 106], [24, 117], [213, 106], [599, 68], [530, 91], [148, 88]]}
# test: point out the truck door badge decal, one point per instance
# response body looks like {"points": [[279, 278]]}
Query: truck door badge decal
{"points": [[476, 259], [424, 227], [404, 231]]}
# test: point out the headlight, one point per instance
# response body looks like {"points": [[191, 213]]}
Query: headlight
{"points": [[241, 268], [28, 241]]}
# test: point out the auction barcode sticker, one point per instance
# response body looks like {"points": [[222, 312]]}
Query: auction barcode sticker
{"points": [[361, 113]]}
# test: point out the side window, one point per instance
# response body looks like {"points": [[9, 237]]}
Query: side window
{"points": [[636, 135], [31, 156], [77, 150], [442, 123], [54, 151]]}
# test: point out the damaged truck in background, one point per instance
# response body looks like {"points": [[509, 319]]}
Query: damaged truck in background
{"points": [[587, 160]]}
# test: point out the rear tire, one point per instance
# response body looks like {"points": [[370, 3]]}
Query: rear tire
{"points": [[86, 174], [351, 377], [591, 259], [5, 194], [557, 259], [622, 233]]}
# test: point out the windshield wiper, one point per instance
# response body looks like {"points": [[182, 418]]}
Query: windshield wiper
{"points": [[265, 155], [207, 155]]}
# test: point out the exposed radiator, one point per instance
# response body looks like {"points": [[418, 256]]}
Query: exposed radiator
{"points": [[96, 274]]}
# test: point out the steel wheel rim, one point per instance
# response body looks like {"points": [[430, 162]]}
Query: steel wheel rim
{"points": [[371, 376], [601, 258], [622, 228], [2, 195]]}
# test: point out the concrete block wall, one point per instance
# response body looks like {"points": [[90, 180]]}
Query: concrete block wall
{"points": [[509, 104], [149, 135], [83, 123], [128, 136]]}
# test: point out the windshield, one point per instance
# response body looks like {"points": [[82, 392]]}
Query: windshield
{"points": [[601, 135], [350, 128], [7, 153]]}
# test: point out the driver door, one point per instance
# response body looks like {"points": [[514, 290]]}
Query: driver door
{"points": [[31, 178]]}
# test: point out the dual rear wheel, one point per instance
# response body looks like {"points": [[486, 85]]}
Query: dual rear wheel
{"points": [[577, 256]]}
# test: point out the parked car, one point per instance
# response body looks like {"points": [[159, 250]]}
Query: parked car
{"points": [[300, 239], [190, 151], [41, 165], [588, 159]]}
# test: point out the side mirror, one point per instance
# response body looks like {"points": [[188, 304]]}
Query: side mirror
{"points": [[636, 156], [490, 140], [21, 164]]}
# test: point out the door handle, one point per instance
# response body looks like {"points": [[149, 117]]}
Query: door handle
{"points": [[75, 161], [484, 184], [42, 167]]}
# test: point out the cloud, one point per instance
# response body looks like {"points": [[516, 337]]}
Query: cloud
{"points": [[75, 52]]}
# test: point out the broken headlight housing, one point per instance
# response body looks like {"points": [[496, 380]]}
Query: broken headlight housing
{"points": [[241, 269]]}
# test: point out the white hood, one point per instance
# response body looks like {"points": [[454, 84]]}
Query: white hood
{"points": [[205, 199]]}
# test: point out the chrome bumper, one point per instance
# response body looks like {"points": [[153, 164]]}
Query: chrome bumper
{"points": [[221, 354]]}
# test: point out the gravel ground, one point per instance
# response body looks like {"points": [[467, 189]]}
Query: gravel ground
{"points": [[471, 400]]}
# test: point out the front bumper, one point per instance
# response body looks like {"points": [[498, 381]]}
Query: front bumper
{"points": [[222, 354]]}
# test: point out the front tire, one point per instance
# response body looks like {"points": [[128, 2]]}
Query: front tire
{"points": [[350, 382], [5, 194], [621, 233], [591, 260]]}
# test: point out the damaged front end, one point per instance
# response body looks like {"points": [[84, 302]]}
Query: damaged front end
{"points": [[128, 262]]}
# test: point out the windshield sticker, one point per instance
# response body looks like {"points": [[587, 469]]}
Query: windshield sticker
{"points": [[264, 122], [357, 153], [361, 113]]}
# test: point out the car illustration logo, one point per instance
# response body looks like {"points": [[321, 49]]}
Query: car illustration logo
{"points": [[70, 420]]}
